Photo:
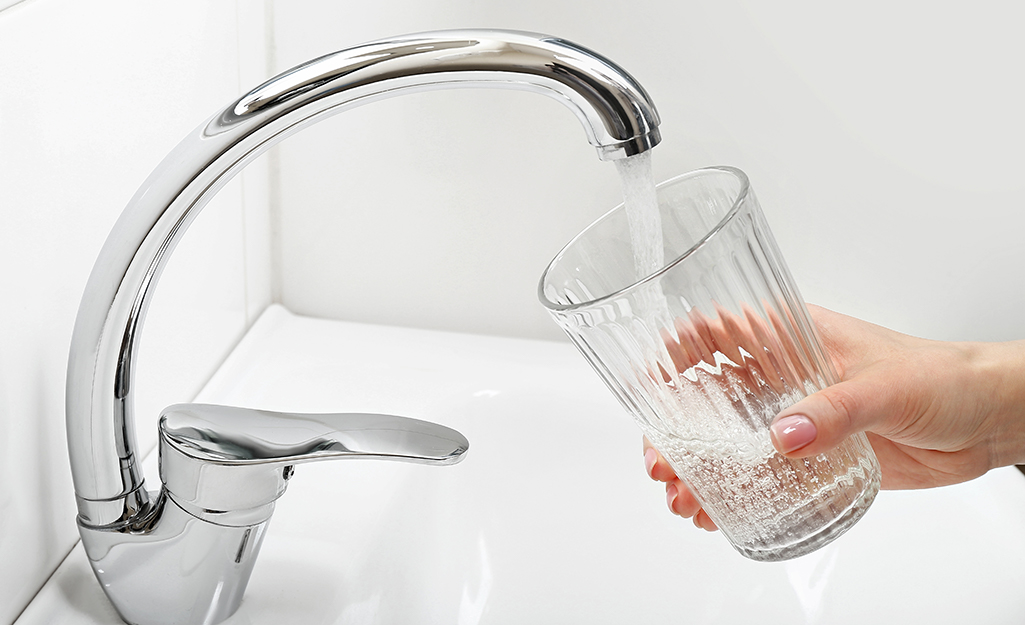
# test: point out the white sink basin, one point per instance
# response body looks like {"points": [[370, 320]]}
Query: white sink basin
{"points": [[551, 518]]}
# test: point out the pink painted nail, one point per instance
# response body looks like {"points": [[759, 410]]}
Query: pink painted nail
{"points": [[792, 433], [671, 494]]}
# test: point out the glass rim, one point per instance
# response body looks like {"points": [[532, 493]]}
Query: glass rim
{"points": [[742, 193]]}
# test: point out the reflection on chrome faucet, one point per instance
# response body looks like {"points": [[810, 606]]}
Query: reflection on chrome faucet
{"points": [[184, 554]]}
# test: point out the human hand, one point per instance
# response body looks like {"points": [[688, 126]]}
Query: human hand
{"points": [[936, 413]]}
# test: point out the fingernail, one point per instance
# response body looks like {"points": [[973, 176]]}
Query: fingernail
{"points": [[671, 494], [792, 433], [650, 457]]}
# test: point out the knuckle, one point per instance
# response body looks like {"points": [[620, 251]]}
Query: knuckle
{"points": [[845, 407]]}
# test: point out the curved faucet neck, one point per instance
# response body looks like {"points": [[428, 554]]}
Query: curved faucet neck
{"points": [[616, 113]]}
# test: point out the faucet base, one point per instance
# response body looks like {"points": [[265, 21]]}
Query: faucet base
{"points": [[178, 570]]}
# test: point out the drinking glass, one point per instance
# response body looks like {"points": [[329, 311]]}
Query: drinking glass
{"points": [[703, 351]]}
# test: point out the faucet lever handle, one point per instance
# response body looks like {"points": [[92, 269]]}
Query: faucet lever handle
{"points": [[228, 434], [224, 462]]}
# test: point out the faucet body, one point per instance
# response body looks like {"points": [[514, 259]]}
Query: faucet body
{"points": [[142, 544]]}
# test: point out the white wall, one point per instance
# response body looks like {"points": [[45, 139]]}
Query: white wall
{"points": [[92, 96], [882, 138]]}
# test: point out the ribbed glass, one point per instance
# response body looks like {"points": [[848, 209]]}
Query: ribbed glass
{"points": [[705, 352]]}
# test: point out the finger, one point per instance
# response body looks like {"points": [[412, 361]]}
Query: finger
{"points": [[700, 337], [773, 351], [823, 420], [676, 345], [705, 522], [681, 500], [726, 334], [657, 467], [783, 331]]}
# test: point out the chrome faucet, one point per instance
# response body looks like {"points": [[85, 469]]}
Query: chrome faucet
{"points": [[184, 554]]}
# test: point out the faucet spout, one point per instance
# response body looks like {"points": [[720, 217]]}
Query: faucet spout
{"points": [[114, 505], [618, 116]]}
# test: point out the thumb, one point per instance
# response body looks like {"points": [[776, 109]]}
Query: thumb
{"points": [[823, 420]]}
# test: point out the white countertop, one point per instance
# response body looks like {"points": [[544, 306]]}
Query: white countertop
{"points": [[551, 518]]}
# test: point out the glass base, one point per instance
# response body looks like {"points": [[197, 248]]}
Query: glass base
{"points": [[821, 538]]}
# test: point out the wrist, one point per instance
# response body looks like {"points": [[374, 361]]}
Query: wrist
{"points": [[999, 375]]}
